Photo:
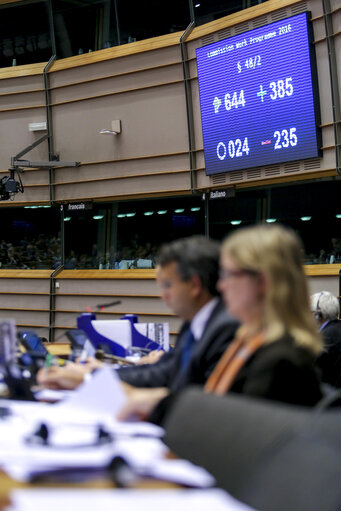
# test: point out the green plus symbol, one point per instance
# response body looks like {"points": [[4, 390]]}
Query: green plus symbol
{"points": [[261, 93]]}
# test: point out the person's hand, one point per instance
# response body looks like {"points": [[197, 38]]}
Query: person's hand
{"points": [[151, 358], [66, 378], [141, 402]]}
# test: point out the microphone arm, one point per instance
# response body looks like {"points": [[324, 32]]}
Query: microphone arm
{"points": [[102, 306]]}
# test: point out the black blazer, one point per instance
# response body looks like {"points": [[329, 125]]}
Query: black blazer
{"points": [[329, 361], [218, 333], [280, 371]]}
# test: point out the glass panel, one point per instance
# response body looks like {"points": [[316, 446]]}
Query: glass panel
{"points": [[209, 10], [79, 28], [128, 234], [226, 215], [86, 26], [23, 42], [30, 238], [150, 18], [313, 210], [85, 237], [142, 226]]}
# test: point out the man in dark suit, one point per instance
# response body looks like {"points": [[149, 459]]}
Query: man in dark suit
{"points": [[326, 309], [187, 274]]}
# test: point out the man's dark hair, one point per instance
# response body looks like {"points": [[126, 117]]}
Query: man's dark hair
{"points": [[196, 255]]}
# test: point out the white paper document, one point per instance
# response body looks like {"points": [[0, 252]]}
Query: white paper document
{"points": [[127, 500], [102, 394], [81, 435]]}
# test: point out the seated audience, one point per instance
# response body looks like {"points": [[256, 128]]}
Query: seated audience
{"points": [[187, 275], [336, 251], [326, 309]]}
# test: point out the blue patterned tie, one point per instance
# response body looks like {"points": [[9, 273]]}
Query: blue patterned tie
{"points": [[187, 350]]}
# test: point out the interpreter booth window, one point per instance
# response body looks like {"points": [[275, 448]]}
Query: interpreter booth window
{"points": [[30, 238], [80, 27], [209, 10], [139, 20], [127, 235], [24, 34], [85, 235], [142, 227], [229, 213], [313, 210]]}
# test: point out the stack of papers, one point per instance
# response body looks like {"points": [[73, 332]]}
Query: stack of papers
{"points": [[81, 433]]}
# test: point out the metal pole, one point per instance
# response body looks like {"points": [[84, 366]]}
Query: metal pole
{"points": [[334, 85], [189, 105], [117, 24], [207, 214], [49, 126], [52, 279]]}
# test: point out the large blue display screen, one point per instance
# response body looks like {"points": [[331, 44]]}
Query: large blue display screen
{"points": [[257, 97]]}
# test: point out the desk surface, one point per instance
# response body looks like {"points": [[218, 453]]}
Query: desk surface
{"points": [[60, 348], [7, 484]]}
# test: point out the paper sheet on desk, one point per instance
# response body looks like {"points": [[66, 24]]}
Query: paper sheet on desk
{"points": [[95, 402], [73, 429], [146, 457], [102, 394], [129, 500]]}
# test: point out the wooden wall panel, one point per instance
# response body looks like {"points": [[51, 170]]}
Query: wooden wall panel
{"points": [[153, 123], [128, 305], [15, 136], [20, 301], [318, 284], [145, 185], [138, 295], [26, 298]]}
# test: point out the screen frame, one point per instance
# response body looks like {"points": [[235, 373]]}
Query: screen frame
{"points": [[213, 169]]}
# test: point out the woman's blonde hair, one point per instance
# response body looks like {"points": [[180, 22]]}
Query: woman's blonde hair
{"points": [[276, 252]]}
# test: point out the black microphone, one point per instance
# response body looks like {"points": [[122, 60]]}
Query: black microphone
{"points": [[102, 306]]}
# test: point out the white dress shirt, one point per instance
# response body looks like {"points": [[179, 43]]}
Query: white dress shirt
{"points": [[199, 321]]}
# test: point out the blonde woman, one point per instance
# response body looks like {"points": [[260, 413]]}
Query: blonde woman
{"points": [[263, 284]]}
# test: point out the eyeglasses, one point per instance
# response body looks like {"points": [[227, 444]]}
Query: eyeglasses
{"points": [[225, 274]]}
